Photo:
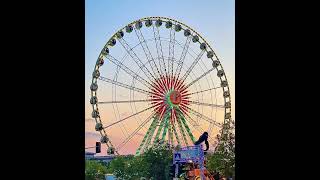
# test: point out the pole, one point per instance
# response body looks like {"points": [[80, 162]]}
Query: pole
{"points": [[176, 171], [201, 162]]}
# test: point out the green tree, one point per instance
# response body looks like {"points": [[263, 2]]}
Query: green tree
{"points": [[135, 168], [153, 163], [156, 161], [118, 167], [223, 159], [94, 170]]}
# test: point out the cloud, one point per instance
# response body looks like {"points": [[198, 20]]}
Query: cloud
{"points": [[92, 134]]}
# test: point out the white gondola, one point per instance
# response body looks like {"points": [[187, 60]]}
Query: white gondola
{"points": [[158, 23], [112, 42], [215, 64], [104, 139], [94, 87], [187, 32], [228, 115], [203, 46], [120, 34], [177, 27], [98, 127], [105, 51], [93, 100], [227, 105], [210, 54], [95, 114], [148, 23], [96, 74], [100, 62], [224, 84], [129, 29], [226, 94], [220, 73], [138, 24], [110, 150], [168, 24], [195, 38]]}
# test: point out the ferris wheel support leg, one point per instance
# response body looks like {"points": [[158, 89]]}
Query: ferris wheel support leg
{"points": [[153, 128], [171, 133], [145, 137], [188, 129], [159, 131], [165, 130], [176, 134], [182, 132]]}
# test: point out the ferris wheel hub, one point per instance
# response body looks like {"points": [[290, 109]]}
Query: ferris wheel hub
{"points": [[175, 97]]}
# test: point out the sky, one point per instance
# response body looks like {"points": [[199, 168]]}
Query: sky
{"points": [[212, 19]]}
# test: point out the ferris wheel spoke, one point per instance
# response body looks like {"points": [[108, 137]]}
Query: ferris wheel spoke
{"points": [[105, 127], [124, 85], [156, 138], [187, 128], [170, 133], [205, 117], [176, 135], [152, 129], [200, 77], [198, 128], [165, 130], [128, 70], [159, 49], [206, 104], [184, 77], [129, 101], [175, 130], [147, 52], [135, 131], [202, 91], [182, 57], [181, 129], [171, 48], [136, 59]]}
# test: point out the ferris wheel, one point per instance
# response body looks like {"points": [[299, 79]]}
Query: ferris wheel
{"points": [[157, 81]]}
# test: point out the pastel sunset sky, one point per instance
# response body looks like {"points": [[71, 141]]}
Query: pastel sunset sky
{"points": [[214, 20]]}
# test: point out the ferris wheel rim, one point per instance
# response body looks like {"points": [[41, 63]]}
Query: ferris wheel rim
{"points": [[164, 19]]}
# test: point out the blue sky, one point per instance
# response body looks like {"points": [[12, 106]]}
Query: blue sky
{"points": [[212, 19]]}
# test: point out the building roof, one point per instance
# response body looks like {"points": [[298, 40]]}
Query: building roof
{"points": [[89, 153]]}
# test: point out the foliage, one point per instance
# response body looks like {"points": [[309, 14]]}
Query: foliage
{"points": [[94, 170], [223, 159], [152, 164], [156, 162]]}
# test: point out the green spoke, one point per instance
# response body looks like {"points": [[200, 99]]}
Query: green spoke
{"points": [[153, 128], [165, 130], [182, 132], [176, 134], [170, 133], [188, 129], [159, 130], [146, 136]]}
